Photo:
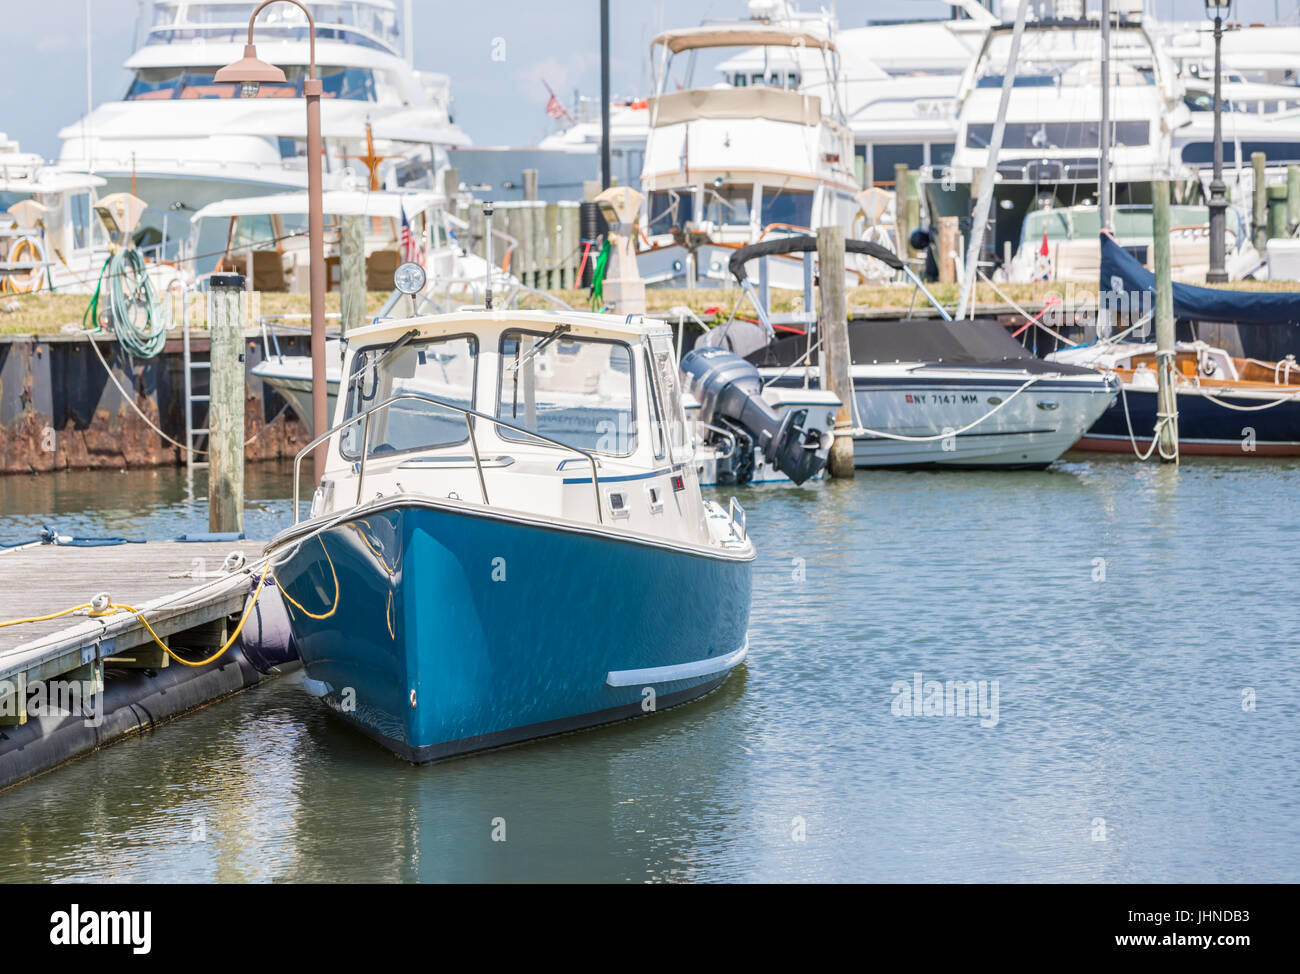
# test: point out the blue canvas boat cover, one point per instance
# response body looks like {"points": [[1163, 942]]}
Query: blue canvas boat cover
{"points": [[1127, 285]]}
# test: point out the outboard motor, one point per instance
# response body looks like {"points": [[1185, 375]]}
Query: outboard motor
{"points": [[729, 391]]}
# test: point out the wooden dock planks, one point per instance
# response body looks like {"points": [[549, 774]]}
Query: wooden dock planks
{"points": [[178, 586]]}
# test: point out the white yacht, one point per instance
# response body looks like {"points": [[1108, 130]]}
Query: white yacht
{"points": [[730, 164], [1050, 146], [181, 155]]}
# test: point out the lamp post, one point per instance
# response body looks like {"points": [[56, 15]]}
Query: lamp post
{"points": [[1217, 10], [250, 73]]}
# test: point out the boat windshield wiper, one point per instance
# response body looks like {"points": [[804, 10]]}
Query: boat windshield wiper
{"points": [[383, 357], [519, 363]]}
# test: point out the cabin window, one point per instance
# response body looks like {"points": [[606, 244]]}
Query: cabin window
{"points": [[665, 363], [658, 432], [442, 368], [789, 206], [666, 210], [1057, 135], [252, 232], [164, 84], [741, 81], [578, 391], [729, 203]]}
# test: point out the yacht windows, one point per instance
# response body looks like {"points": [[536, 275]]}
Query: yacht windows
{"points": [[1057, 135], [773, 79], [163, 84], [667, 209], [440, 368], [729, 203], [574, 390], [1202, 153], [354, 23], [885, 156], [790, 206]]}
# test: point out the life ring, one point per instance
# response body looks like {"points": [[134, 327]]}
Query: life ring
{"points": [[25, 250]]}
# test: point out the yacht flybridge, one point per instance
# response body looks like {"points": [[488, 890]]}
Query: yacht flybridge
{"points": [[185, 141], [510, 540], [733, 163]]}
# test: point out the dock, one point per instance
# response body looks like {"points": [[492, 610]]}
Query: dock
{"points": [[72, 684]]}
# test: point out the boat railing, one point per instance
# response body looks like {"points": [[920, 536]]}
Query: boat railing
{"points": [[363, 417]]}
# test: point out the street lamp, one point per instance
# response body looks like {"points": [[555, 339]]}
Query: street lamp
{"points": [[250, 74], [1217, 10]]}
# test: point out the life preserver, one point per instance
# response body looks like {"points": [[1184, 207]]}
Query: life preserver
{"points": [[25, 250]]}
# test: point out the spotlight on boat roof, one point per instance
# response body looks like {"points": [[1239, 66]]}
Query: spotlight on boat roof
{"points": [[250, 73], [1217, 8], [409, 278]]}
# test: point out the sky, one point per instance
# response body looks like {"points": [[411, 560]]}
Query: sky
{"points": [[498, 101]]}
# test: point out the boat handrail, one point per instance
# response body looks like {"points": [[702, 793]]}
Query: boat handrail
{"points": [[364, 418]]}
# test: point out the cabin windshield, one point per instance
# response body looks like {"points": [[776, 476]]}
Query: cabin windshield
{"points": [[439, 368], [577, 391]]}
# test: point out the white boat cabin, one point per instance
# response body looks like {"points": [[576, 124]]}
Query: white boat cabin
{"points": [[600, 389]]}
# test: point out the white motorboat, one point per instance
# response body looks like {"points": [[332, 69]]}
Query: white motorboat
{"points": [[932, 391], [728, 165], [184, 141]]}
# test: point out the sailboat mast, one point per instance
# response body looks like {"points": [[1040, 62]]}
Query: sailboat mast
{"points": [[1104, 136]]}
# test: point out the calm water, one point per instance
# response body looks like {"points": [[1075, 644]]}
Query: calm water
{"points": [[1120, 709]]}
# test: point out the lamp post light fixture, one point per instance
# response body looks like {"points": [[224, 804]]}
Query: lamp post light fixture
{"points": [[250, 73], [1217, 10]]}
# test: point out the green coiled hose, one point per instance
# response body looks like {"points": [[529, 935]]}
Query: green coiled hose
{"points": [[132, 303]]}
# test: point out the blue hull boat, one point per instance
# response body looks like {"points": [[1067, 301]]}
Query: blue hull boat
{"points": [[440, 631], [509, 540]]}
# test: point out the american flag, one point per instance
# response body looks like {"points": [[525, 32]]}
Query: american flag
{"points": [[411, 249], [555, 108]]}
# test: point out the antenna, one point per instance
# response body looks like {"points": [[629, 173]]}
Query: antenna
{"points": [[487, 244], [408, 32]]}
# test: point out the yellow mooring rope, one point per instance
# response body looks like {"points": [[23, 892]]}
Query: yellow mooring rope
{"points": [[115, 607]]}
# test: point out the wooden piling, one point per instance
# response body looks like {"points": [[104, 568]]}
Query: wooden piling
{"points": [[450, 188], [1259, 213], [947, 249], [1277, 203], [1292, 199], [352, 271], [570, 244], [833, 327], [900, 208], [1166, 395], [551, 238], [226, 406], [530, 184]]}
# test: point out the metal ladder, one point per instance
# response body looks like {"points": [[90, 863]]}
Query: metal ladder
{"points": [[193, 433]]}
